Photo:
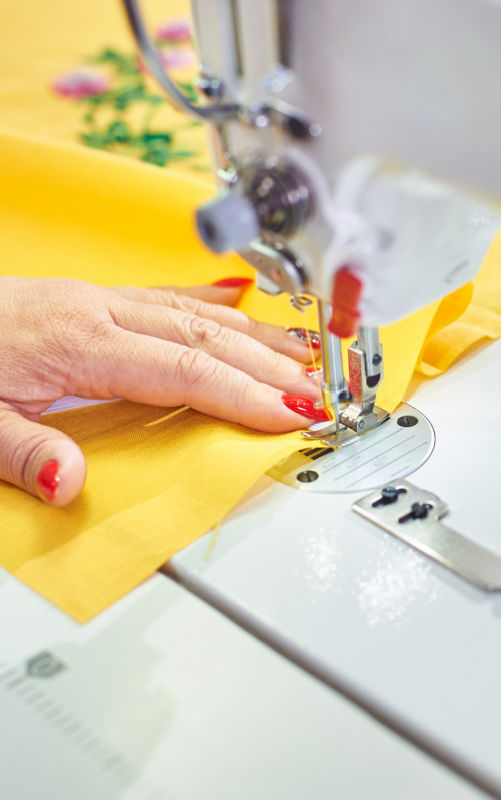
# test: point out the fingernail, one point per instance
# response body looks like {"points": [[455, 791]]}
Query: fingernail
{"points": [[314, 373], [49, 479], [305, 406], [302, 334], [234, 283]]}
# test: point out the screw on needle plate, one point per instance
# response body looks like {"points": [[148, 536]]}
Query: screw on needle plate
{"points": [[407, 421], [418, 511], [307, 476], [388, 495]]}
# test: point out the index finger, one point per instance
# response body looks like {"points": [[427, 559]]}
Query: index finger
{"points": [[145, 369]]}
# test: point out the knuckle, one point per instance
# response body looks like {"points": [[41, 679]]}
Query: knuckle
{"points": [[195, 367], [164, 297], [99, 331], [183, 303], [18, 458], [278, 364], [201, 332], [254, 327]]}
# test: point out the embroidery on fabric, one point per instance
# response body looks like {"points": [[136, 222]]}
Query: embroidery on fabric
{"points": [[116, 84]]}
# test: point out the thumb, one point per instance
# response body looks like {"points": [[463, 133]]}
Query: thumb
{"points": [[41, 460]]}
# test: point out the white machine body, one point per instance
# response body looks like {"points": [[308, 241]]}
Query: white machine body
{"points": [[401, 101], [356, 145]]}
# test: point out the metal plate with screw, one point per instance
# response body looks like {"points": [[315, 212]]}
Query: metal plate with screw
{"points": [[414, 516], [394, 449]]}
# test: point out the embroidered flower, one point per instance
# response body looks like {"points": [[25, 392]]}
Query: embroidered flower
{"points": [[81, 84], [172, 59], [174, 30]]}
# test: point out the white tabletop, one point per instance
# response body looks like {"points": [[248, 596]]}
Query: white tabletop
{"points": [[406, 639], [162, 698]]}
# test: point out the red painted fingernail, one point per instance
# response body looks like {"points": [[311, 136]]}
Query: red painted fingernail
{"points": [[314, 372], [234, 283], [305, 406], [49, 479], [302, 335]]}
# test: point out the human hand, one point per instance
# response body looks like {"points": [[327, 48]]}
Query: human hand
{"points": [[163, 346]]}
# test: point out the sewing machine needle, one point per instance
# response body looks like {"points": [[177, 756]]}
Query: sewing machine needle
{"points": [[334, 385]]}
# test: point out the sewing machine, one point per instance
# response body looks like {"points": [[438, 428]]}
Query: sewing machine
{"points": [[335, 129], [302, 139]]}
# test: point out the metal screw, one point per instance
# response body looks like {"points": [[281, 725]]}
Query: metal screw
{"points": [[211, 87], [376, 359], [418, 511], [407, 421], [307, 476], [298, 128], [260, 121], [389, 494]]}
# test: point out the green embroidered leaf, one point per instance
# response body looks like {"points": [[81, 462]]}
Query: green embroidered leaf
{"points": [[108, 54], [189, 90], [130, 94], [96, 99], [123, 63], [118, 131], [151, 138], [182, 153], [95, 139], [157, 155], [130, 86], [154, 99]]}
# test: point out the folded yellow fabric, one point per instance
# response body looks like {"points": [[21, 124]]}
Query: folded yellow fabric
{"points": [[479, 321], [157, 480]]}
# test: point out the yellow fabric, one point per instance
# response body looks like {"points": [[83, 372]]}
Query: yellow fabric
{"points": [[157, 479], [155, 483], [480, 321]]}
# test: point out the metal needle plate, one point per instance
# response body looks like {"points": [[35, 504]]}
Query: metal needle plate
{"points": [[413, 515], [395, 448]]}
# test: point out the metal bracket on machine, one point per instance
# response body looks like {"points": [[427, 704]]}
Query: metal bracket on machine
{"points": [[413, 515]]}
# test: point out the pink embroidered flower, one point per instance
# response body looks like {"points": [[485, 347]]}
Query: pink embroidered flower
{"points": [[172, 59], [81, 84], [174, 30]]}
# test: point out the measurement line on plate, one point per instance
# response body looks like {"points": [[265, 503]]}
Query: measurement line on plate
{"points": [[388, 464], [361, 452], [370, 460]]}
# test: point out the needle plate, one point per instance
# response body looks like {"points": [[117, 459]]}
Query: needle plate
{"points": [[395, 448]]}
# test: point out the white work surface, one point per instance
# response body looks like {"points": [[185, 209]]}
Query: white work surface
{"points": [[402, 636], [162, 698]]}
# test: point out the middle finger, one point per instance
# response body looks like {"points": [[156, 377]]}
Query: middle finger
{"points": [[226, 344]]}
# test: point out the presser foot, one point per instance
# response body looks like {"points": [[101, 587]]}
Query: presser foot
{"points": [[350, 429]]}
